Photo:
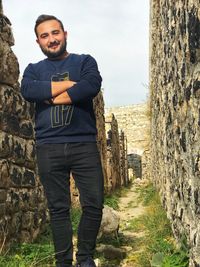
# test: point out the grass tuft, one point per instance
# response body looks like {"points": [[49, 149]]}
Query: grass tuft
{"points": [[37, 254], [157, 247]]}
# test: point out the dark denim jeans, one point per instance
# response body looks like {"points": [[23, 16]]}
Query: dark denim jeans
{"points": [[55, 163]]}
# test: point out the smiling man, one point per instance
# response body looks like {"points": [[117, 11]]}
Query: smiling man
{"points": [[52, 43], [63, 86]]}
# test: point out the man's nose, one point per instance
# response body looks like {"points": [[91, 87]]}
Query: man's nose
{"points": [[51, 38]]}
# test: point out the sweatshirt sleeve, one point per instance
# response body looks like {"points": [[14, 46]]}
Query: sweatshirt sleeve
{"points": [[32, 89], [89, 84]]}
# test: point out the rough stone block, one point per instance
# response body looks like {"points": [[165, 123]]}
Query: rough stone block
{"points": [[9, 67], [2, 209], [3, 195], [27, 220], [9, 123], [26, 130], [6, 144], [28, 179], [4, 174], [16, 175], [18, 150]]}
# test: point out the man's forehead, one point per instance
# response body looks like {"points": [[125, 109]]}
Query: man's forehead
{"points": [[48, 26]]}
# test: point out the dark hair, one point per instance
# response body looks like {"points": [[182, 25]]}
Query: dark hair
{"points": [[43, 18]]}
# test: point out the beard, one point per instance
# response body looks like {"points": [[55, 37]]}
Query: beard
{"points": [[56, 54]]}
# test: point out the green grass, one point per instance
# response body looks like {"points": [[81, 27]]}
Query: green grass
{"points": [[158, 247], [28, 255], [37, 254], [112, 199], [148, 195], [135, 225]]}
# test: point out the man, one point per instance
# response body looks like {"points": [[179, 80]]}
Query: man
{"points": [[63, 86]]}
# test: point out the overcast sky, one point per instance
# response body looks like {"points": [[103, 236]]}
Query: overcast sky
{"points": [[115, 32]]}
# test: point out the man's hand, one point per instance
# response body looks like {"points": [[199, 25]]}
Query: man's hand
{"points": [[58, 88], [62, 99]]}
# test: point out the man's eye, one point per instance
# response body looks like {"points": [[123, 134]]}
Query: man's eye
{"points": [[56, 32]]}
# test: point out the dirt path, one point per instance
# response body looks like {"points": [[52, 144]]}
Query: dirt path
{"points": [[129, 209]]}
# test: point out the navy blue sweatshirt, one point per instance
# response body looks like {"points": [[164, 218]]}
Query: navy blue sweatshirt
{"points": [[63, 123]]}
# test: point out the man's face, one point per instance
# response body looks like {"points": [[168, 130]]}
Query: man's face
{"points": [[51, 38]]}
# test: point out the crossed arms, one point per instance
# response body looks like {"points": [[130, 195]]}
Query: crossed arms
{"points": [[59, 92], [87, 87]]}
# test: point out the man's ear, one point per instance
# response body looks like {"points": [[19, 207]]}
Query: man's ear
{"points": [[65, 33], [37, 41]]}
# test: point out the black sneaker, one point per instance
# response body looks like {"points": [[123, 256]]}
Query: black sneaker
{"points": [[88, 263]]}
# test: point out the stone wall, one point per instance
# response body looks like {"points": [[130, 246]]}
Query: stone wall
{"points": [[146, 164], [22, 205], [101, 133], [123, 158], [175, 109], [134, 121], [117, 166], [113, 153]]}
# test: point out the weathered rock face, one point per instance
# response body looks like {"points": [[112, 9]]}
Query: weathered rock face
{"points": [[101, 134], [22, 205], [175, 108], [113, 153], [117, 164], [9, 64], [123, 158]]}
